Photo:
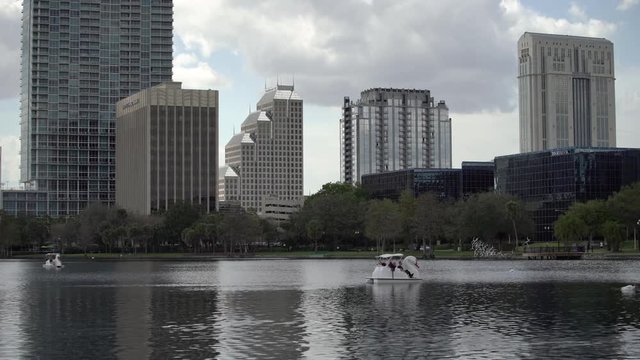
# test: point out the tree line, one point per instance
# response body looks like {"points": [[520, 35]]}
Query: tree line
{"points": [[342, 216], [338, 217], [613, 219], [98, 228]]}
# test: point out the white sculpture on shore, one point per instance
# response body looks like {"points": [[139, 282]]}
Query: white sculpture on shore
{"points": [[483, 250]]}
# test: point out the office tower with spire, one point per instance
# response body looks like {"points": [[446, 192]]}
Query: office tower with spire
{"points": [[391, 129], [566, 88], [78, 59], [264, 162]]}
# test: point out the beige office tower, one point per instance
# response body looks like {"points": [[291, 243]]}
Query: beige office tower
{"points": [[167, 148], [266, 156], [566, 92]]}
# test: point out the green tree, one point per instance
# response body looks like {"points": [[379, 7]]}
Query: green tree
{"points": [[178, 217], [9, 234], [314, 232], [383, 222], [513, 210], [239, 231], [625, 205], [570, 228], [429, 219], [593, 213], [341, 216], [614, 233], [485, 215], [407, 209]]}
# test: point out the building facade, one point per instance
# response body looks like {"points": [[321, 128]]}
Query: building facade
{"points": [[452, 184], [167, 149], [548, 182], [566, 92], [23, 202], [393, 129], [267, 156], [78, 59]]}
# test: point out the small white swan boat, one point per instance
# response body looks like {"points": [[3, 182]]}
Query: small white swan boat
{"points": [[628, 290], [52, 261], [395, 268]]}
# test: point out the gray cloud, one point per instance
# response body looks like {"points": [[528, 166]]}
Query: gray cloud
{"points": [[10, 54], [464, 52]]}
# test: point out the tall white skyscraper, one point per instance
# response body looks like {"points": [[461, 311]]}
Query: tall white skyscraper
{"points": [[393, 129], [566, 92], [266, 156]]}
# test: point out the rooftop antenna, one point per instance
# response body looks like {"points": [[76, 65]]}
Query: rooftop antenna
{"points": [[265, 84], [293, 81], [277, 80]]}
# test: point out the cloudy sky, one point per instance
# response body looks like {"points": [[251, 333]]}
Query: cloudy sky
{"points": [[463, 51]]}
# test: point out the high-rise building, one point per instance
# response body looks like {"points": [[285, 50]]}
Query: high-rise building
{"points": [[566, 92], [393, 129], [266, 156], [78, 59], [167, 149]]}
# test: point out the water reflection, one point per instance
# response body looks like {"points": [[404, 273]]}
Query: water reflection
{"points": [[12, 337], [317, 309]]}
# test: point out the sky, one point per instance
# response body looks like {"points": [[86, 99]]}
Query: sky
{"points": [[463, 51]]}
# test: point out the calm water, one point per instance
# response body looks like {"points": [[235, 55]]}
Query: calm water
{"points": [[318, 309]]}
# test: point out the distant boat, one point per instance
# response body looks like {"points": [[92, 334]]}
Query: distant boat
{"points": [[628, 290], [52, 261], [395, 268]]}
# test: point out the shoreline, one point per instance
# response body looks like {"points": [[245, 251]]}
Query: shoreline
{"points": [[178, 257]]}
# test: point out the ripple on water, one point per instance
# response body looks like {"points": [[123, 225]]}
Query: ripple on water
{"points": [[319, 309]]}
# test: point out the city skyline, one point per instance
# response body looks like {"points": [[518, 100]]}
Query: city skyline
{"points": [[475, 64]]}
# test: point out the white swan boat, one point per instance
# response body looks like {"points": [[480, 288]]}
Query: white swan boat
{"points": [[395, 268], [52, 261]]}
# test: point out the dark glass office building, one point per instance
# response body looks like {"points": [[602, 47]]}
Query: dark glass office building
{"points": [[452, 184], [550, 181]]}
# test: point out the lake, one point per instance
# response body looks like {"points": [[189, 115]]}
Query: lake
{"points": [[318, 309]]}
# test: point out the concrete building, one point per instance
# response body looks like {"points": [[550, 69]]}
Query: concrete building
{"points": [[566, 92], [267, 156], [549, 182], [167, 148], [78, 59], [23, 202], [393, 129]]}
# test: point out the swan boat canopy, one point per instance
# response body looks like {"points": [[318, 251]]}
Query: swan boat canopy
{"points": [[395, 268], [52, 261]]}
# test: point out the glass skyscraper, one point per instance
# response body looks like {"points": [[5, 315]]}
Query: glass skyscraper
{"points": [[393, 129], [78, 59]]}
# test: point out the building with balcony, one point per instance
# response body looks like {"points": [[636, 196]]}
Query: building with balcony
{"points": [[393, 129], [78, 59]]}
